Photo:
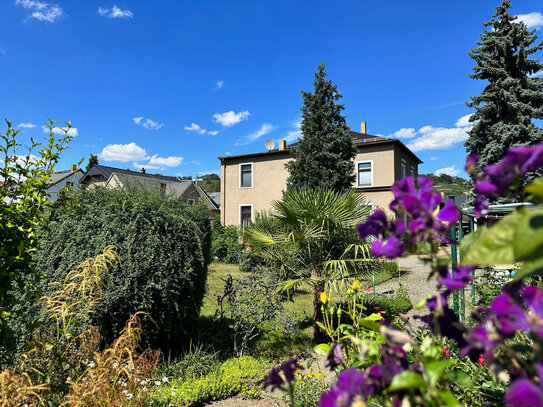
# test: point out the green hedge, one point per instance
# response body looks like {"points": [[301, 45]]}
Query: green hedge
{"points": [[164, 250], [225, 246]]}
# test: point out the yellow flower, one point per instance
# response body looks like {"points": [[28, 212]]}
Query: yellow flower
{"points": [[324, 298], [356, 285]]}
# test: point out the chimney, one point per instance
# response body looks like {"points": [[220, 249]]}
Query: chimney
{"points": [[363, 127], [73, 168], [143, 171], [282, 144]]}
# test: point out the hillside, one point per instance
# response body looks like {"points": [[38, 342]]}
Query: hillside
{"points": [[448, 184]]}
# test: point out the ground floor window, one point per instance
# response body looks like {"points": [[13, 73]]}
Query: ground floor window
{"points": [[245, 215]]}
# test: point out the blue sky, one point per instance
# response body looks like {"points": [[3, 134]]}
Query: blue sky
{"points": [[171, 85]]}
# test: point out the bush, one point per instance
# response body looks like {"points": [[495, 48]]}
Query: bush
{"points": [[162, 246], [238, 376], [225, 246], [392, 305]]}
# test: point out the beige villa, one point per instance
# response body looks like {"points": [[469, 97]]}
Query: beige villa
{"points": [[250, 182]]}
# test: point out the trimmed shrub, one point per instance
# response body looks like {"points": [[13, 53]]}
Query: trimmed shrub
{"points": [[238, 376], [162, 245], [225, 246]]}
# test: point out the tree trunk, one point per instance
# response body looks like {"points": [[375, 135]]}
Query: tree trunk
{"points": [[319, 335]]}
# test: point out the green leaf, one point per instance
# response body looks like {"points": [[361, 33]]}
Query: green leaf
{"points": [[449, 399], [459, 377], [407, 380], [535, 189], [514, 238], [435, 370], [322, 349], [530, 268], [469, 239]]}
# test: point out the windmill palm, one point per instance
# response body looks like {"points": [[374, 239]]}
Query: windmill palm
{"points": [[319, 227]]}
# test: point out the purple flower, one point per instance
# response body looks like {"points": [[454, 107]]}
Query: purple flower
{"points": [[462, 276], [449, 213], [471, 163], [273, 379], [350, 386], [391, 248], [478, 342], [335, 357], [289, 367], [533, 299], [525, 393], [508, 316], [375, 224]]}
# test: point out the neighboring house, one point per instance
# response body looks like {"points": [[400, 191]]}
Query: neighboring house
{"points": [[216, 196], [62, 179], [189, 191], [250, 182]]}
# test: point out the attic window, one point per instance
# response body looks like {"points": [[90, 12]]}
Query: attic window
{"points": [[163, 188], [191, 201]]}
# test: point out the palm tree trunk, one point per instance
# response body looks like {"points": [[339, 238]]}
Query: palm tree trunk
{"points": [[319, 336]]}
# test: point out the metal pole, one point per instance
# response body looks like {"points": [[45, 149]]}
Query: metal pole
{"points": [[454, 263], [462, 292]]}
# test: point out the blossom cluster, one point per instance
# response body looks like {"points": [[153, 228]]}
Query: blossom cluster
{"points": [[495, 180], [415, 204]]}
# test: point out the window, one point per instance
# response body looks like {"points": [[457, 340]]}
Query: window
{"points": [[364, 171], [411, 171], [246, 175], [245, 215], [404, 170], [163, 188], [191, 201]]}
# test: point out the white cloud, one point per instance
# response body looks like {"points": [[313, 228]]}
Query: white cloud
{"points": [[536, 74], [165, 161], [436, 138], [26, 125], [266, 128], [61, 130], [404, 133], [147, 123], [230, 118], [146, 166], [219, 85], [452, 171], [123, 153], [41, 10], [199, 130], [463, 121], [196, 128], [115, 12], [532, 20], [294, 135]]}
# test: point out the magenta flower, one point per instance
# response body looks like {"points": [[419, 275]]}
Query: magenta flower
{"points": [[375, 225], [450, 213], [335, 357], [462, 276], [350, 386], [390, 248], [508, 316], [525, 393]]}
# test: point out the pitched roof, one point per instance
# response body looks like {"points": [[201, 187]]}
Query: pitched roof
{"points": [[59, 176], [359, 139], [216, 197], [107, 171]]}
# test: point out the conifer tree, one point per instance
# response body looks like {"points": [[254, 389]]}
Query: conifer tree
{"points": [[513, 97], [324, 156]]}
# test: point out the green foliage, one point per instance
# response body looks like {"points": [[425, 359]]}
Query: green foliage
{"points": [[197, 362], [210, 183], [162, 244], [489, 285], [324, 156], [309, 387], [449, 185], [511, 99], [392, 305], [93, 160], [24, 207], [251, 305], [238, 376], [225, 246]]}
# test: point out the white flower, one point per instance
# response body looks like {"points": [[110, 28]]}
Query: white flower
{"points": [[91, 364], [158, 382], [129, 396], [165, 379], [144, 389], [115, 365], [125, 391]]}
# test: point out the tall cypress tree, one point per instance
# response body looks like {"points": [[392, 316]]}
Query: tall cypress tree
{"points": [[324, 156], [507, 105]]}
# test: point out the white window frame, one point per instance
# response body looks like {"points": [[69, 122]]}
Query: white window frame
{"points": [[239, 213], [252, 175], [357, 174]]}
